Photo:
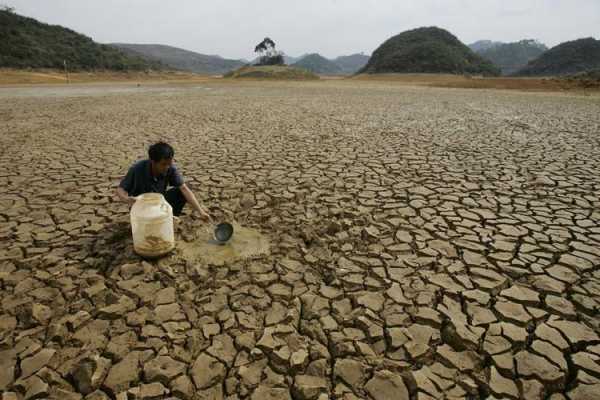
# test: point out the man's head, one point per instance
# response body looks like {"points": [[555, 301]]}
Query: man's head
{"points": [[161, 156]]}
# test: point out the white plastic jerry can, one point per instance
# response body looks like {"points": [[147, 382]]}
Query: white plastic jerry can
{"points": [[152, 225]]}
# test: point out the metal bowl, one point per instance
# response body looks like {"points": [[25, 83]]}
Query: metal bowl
{"points": [[223, 232]]}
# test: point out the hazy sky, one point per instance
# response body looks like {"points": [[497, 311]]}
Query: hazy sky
{"points": [[231, 28]]}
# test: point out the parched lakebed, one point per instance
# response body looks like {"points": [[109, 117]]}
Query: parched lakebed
{"points": [[413, 243]]}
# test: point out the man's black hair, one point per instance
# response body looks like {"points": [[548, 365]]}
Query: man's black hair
{"points": [[161, 151]]}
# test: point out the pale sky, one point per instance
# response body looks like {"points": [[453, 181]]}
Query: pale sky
{"points": [[232, 28]]}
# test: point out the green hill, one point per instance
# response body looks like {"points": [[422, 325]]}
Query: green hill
{"points": [[274, 72], [28, 43], [180, 59], [511, 57], [565, 59], [318, 64], [427, 50]]}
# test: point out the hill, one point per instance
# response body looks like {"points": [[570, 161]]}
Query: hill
{"points": [[318, 64], [180, 59], [591, 74], [585, 80], [567, 58], [275, 72], [484, 45], [289, 60], [352, 63], [511, 57], [28, 43], [427, 50], [321, 65]]}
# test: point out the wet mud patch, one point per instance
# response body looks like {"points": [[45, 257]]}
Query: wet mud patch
{"points": [[198, 246]]}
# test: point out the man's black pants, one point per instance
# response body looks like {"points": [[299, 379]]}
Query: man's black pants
{"points": [[176, 199]]}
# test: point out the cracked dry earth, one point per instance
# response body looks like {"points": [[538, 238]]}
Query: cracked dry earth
{"points": [[425, 244]]}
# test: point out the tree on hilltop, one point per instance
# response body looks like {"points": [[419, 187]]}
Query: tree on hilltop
{"points": [[268, 54], [7, 8]]}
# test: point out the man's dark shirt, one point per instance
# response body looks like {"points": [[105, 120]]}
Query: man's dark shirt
{"points": [[139, 179]]}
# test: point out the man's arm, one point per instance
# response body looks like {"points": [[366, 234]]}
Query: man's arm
{"points": [[176, 180], [125, 187], [191, 198], [124, 196]]}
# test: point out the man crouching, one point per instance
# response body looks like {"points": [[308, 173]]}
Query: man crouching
{"points": [[155, 175]]}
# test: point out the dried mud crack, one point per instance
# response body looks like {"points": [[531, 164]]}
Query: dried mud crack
{"points": [[415, 243]]}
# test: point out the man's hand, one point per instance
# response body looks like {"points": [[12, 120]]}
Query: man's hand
{"points": [[201, 214], [124, 196], [204, 215]]}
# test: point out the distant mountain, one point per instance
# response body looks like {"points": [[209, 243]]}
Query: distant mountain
{"points": [[567, 58], [181, 59], [427, 50], [511, 57], [28, 43], [347, 64], [289, 60], [484, 45], [352, 63], [319, 65]]}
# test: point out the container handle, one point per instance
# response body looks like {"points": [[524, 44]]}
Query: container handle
{"points": [[164, 207]]}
